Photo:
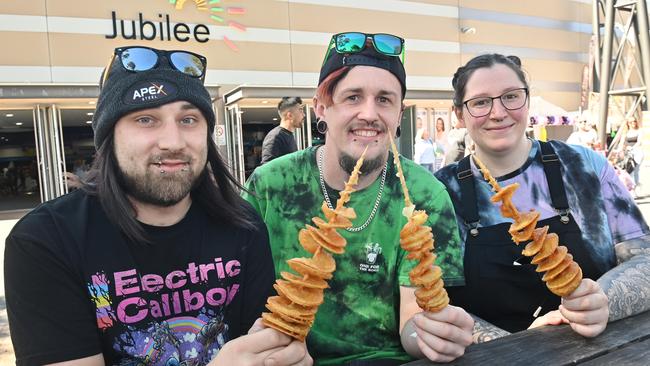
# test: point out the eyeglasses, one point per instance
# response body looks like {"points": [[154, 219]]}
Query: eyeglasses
{"points": [[511, 100], [140, 58], [355, 42]]}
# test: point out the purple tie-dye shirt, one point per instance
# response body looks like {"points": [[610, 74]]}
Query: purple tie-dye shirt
{"points": [[600, 204]]}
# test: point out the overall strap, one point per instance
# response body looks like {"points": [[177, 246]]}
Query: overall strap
{"points": [[553, 173], [468, 194]]}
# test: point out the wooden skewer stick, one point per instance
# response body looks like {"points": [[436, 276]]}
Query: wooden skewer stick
{"points": [[408, 205], [352, 181], [496, 187]]}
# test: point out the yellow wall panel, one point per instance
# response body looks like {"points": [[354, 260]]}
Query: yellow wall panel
{"points": [[432, 64], [567, 100], [438, 2], [518, 36], [570, 72], [553, 9], [330, 19], [23, 7], [16, 54], [307, 58]]}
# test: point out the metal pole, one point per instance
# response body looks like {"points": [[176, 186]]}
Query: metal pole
{"points": [[605, 72], [596, 48], [644, 45]]}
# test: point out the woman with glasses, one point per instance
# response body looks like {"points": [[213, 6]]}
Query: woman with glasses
{"points": [[577, 193]]}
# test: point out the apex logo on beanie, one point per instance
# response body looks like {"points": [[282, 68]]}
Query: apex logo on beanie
{"points": [[124, 91], [148, 91]]}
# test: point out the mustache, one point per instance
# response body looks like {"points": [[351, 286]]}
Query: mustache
{"points": [[155, 159], [381, 127]]}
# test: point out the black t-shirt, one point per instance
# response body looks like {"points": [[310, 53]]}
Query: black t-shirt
{"points": [[75, 287], [279, 141]]}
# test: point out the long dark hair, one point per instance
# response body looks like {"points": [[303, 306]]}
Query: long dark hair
{"points": [[462, 75], [216, 190]]}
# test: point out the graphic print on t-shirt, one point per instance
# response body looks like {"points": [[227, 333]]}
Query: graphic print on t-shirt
{"points": [[175, 317]]}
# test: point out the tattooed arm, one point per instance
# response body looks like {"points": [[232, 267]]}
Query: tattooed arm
{"points": [[627, 285], [484, 331]]}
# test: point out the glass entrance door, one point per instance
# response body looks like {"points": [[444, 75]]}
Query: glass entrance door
{"points": [[235, 144], [49, 151], [19, 180], [304, 134], [407, 136]]}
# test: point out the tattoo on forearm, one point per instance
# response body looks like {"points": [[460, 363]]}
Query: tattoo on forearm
{"points": [[627, 287], [484, 331]]}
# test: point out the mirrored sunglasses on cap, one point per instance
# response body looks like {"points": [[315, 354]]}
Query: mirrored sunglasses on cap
{"points": [[139, 58], [354, 42]]}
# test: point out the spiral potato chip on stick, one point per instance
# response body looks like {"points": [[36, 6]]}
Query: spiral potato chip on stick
{"points": [[294, 309], [417, 239], [563, 275]]}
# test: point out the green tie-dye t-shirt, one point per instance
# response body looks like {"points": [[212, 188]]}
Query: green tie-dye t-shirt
{"points": [[360, 316]]}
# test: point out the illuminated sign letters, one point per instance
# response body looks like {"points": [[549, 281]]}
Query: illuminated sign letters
{"points": [[147, 30]]}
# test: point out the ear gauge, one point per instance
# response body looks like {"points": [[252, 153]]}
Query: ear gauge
{"points": [[321, 126]]}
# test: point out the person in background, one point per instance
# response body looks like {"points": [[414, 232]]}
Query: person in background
{"points": [[156, 259], [418, 123], [440, 134], [369, 315], [75, 178], [424, 150], [584, 135], [623, 175], [576, 192], [280, 141], [457, 143], [633, 149]]}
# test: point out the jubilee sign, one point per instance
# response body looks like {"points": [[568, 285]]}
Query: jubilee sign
{"points": [[164, 30]]}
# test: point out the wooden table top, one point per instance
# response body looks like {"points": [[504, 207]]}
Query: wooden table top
{"points": [[624, 342]]}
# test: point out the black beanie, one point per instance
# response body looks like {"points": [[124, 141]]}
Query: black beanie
{"points": [[126, 91], [367, 57]]}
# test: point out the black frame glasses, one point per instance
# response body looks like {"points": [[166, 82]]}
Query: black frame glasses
{"points": [[510, 100], [141, 58], [355, 42]]}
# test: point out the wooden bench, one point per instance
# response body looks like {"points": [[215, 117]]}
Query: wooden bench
{"points": [[624, 342]]}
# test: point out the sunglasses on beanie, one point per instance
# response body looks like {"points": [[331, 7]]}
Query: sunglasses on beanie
{"points": [[354, 42], [139, 58]]}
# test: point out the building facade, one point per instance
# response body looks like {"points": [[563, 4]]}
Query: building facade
{"points": [[258, 51]]}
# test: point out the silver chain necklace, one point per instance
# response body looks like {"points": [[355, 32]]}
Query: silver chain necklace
{"points": [[327, 197]]}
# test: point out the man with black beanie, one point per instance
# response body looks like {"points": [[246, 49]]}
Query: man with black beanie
{"points": [[156, 259], [369, 315]]}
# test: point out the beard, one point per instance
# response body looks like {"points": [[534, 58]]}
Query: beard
{"points": [[160, 189], [347, 163]]}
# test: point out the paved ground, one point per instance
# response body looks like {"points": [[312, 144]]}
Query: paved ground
{"points": [[6, 350]]}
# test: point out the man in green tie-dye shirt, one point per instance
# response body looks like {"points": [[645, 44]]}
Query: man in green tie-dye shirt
{"points": [[369, 313]]}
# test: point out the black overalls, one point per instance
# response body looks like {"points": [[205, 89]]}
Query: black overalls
{"points": [[502, 286]]}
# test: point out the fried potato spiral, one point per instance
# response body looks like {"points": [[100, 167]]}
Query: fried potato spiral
{"points": [[416, 238], [293, 310], [562, 274]]}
